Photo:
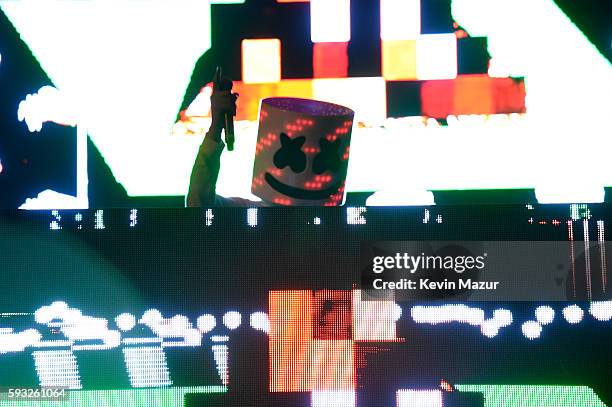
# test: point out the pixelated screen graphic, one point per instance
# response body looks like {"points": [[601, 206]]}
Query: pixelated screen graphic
{"points": [[104, 104], [262, 307]]}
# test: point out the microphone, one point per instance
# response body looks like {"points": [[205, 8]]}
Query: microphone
{"points": [[224, 84]]}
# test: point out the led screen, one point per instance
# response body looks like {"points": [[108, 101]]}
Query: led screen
{"points": [[263, 307]]}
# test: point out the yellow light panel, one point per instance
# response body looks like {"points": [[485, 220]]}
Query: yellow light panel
{"points": [[399, 60], [261, 60]]}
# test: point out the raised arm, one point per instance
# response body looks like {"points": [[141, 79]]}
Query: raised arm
{"points": [[203, 180]]}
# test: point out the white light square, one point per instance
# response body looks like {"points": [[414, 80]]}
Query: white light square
{"points": [[419, 398], [366, 96], [436, 56], [330, 20], [333, 398], [400, 19]]}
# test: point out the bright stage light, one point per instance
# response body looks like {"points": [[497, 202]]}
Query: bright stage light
{"points": [[18, 341], [531, 330], [573, 314], [125, 321], [366, 96], [354, 216], [405, 197], [419, 398], [436, 56], [374, 320], [260, 321], [559, 192], [397, 312], [252, 217], [601, 310], [330, 20], [232, 319], [400, 19], [502, 317], [206, 323], [261, 60], [489, 328], [545, 314], [444, 314], [328, 398]]}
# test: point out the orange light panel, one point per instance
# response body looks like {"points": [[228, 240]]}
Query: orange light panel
{"points": [[330, 60], [290, 316], [251, 94], [473, 95], [290, 366], [261, 60], [297, 88], [290, 341], [399, 60]]}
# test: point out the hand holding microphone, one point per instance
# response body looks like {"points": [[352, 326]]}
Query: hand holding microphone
{"points": [[223, 107]]}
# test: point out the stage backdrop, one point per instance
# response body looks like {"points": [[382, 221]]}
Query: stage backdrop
{"points": [[449, 95]]}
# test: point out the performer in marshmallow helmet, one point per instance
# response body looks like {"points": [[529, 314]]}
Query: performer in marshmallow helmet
{"points": [[301, 156]]}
